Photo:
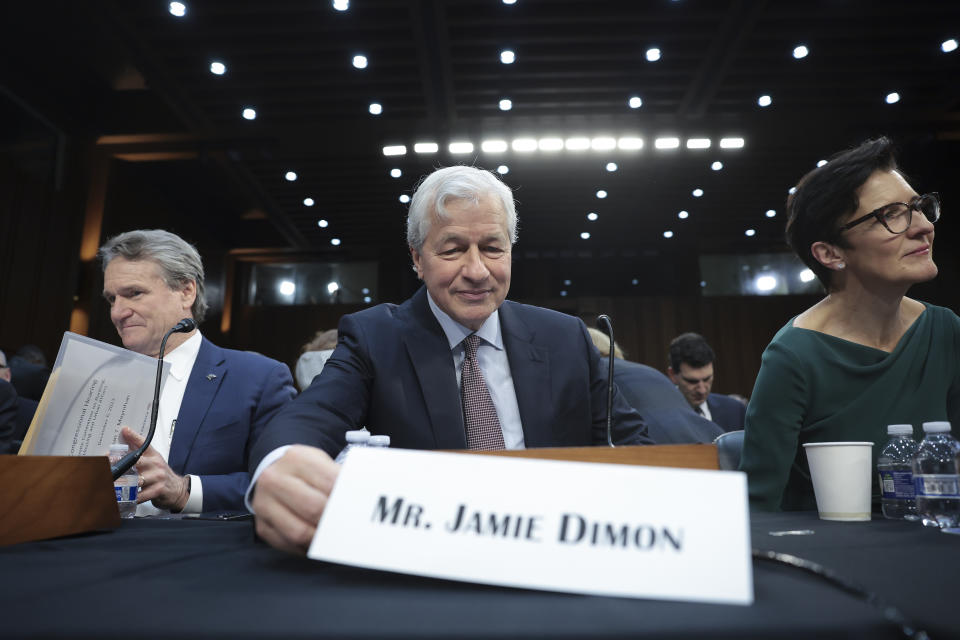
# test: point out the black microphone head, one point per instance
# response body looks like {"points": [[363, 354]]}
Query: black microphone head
{"points": [[603, 322], [185, 326]]}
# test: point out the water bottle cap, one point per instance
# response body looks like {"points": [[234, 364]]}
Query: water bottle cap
{"points": [[118, 448], [936, 427], [379, 441], [358, 436], [899, 429]]}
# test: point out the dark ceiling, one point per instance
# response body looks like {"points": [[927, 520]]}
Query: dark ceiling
{"points": [[136, 79]]}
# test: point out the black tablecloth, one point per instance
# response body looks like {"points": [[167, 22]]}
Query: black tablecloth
{"points": [[187, 579]]}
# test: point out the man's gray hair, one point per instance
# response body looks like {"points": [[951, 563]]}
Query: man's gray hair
{"points": [[455, 183], [3, 360], [178, 260]]}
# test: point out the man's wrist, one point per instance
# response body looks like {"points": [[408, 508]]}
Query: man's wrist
{"points": [[181, 501]]}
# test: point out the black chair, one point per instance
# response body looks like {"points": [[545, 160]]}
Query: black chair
{"points": [[729, 446]]}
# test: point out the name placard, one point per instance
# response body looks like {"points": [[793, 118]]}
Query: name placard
{"points": [[604, 529]]}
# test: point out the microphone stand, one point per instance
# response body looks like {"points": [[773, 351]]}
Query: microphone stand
{"points": [[604, 324], [123, 464]]}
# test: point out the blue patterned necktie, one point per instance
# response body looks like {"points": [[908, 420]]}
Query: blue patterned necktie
{"points": [[479, 414]]}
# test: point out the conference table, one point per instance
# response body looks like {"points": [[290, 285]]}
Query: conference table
{"points": [[198, 578]]}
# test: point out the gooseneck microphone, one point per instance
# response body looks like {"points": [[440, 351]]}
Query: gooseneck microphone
{"points": [[604, 324], [184, 326]]}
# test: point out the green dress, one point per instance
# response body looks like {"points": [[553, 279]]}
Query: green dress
{"points": [[813, 387]]}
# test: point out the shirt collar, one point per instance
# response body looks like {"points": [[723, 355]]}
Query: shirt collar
{"points": [[455, 332], [182, 358]]}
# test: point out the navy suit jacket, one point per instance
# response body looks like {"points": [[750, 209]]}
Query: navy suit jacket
{"points": [[230, 397], [392, 371], [727, 412]]}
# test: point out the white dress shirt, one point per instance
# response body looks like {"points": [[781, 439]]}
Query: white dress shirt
{"points": [[181, 361], [704, 410]]}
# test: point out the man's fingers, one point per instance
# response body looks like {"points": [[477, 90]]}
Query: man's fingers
{"points": [[131, 437]]}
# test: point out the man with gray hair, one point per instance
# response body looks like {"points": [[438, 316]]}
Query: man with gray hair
{"points": [[456, 366], [214, 403]]}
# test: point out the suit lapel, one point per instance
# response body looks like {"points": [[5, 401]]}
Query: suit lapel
{"points": [[530, 368], [432, 362], [202, 386]]}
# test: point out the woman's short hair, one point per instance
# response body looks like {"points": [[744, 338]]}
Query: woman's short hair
{"points": [[455, 183], [178, 260], [828, 193]]}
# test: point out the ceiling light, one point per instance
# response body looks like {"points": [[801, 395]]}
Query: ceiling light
{"points": [[332, 287], [341, 5], [376, 108], [323, 224], [360, 62], [308, 202], [291, 176], [249, 113], [697, 193], [395, 150], [635, 282], [404, 198], [507, 56], [732, 143], [395, 173], [948, 45], [367, 299], [683, 215], [567, 283], [178, 9], [494, 146], [506, 104], [585, 235], [800, 51], [592, 217], [461, 147], [426, 147], [807, 275], [217, 68], [611, 166], [524, 144], [764, 101], [766, 283], [771, 213], [563, 294], [698, 143], [601, 194], [653, 54], [550, 144], [630, 143], [603, 144], [635, 102], [668, 234], [577, 144], [335, 242], [666, 143], [503, 169], [820, 163], [892, 97], [287, 288], [365, 291], [750, 233], [717, 165], [509, 1]]}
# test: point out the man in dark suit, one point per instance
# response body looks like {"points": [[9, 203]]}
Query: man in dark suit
{"points": [[691, 369], [454, 366], [29, 372], [16, 412], [214, 403]]}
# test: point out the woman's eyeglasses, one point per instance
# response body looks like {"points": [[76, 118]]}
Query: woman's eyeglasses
{"points": [[897, 216]]}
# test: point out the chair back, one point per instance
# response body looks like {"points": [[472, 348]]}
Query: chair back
{"points": [[729, 446]]}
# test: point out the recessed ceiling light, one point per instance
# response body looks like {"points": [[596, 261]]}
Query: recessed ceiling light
{"points": [[653, 54], [592, 217], [948, 46], [395, 173], [635, 102], [698, 143], [287, 287], [509, 1], [494, 146], [603, 143], [717, 165], [732, 143], [360, 61], [249, 113], [376, 108], [332, 287], [524, 144], [771, 213], [367, 299], [563, 294], [683, 215], [807, 275], [426, 147], [461, 147], [404, 198], [766, 283], [341, 5], [395, 150], [750, 233], [697, 193], [507, 56], [577, 144], [630, 143], [800, 51], [601, 194], [820, 163], [323, 224], [308, 202], [550, 144], [668, 234], [612, 166], [892, 97], [365, 291], [764, 101], [667, 143], [635, 282], [291, 176], [506, 104], [335, 242], [217, 68], [585, 235], [177, 9], [503, 169], [567, 283]]}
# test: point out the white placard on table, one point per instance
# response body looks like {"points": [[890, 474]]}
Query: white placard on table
{"points": [[604, 529]]}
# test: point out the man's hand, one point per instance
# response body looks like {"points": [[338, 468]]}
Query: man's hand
{"points": [[290, 496], [158, 481]]}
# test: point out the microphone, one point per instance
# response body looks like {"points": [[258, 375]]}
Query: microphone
{"points": [[123, 464], [604, 324]]}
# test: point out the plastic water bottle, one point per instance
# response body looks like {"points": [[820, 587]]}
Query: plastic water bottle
{"points": [[126, 485], [935, 478], [381, 442], [358, 438], [895, 467]]}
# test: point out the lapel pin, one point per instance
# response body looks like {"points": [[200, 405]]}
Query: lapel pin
{"points": [[211, 376]]}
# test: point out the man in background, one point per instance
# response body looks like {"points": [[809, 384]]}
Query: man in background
{"points": [[16, 412], [692, 370], [29, 370]]}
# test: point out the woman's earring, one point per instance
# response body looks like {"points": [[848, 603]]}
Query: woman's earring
{"points": [[841, 265]]}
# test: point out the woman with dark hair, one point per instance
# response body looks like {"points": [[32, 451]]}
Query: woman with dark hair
{"points": [[866, 355]]}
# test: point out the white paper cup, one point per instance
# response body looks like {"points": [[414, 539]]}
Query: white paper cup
{"points": [[841, 473]]}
